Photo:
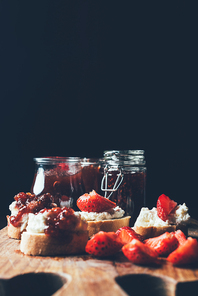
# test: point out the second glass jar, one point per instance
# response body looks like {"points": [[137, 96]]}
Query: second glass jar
{"points": [[124, 180]]}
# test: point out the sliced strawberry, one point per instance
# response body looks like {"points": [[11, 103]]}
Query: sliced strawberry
{"points": [[180, 236], [165, 206], [93, 202], [186, 253], [139, 253], [163, 244], [127, 234], [104, 244]]}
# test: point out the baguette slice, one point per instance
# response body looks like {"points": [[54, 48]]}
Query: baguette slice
{"points": [[14, 232], [40, 244], [149, 224], [153, 231], [107, 225]]}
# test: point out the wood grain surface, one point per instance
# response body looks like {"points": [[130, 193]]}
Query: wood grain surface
{"points": [[85, 275]]}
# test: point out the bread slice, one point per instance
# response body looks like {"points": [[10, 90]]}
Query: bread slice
{"points": [[15, 232], [107, 225], [148, 223], [40, 244], [153, 231]]}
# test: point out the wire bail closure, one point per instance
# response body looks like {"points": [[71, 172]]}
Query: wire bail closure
{"points": [[104, 182]]}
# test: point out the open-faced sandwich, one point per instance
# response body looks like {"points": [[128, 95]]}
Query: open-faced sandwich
{"points": [[101, 213], [56, 231], [24, 204], [167, 216]]}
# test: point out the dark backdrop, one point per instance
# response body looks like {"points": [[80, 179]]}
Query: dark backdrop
{"points": [[80, 77]]}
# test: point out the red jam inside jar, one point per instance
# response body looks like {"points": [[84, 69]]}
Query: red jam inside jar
{"points": [[124, 180], [91, 174], [61, 177]]}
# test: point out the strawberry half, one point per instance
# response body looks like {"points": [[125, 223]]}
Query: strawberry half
{"points": [[127, 234], [165, 206], [186, 253], [93, 202], [180, 236], [139, 253], [163, 244], [103, 244]]}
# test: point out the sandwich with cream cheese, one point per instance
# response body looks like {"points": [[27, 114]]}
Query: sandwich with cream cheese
{"points": [[167, 216], [101, 213], [56, 231]]}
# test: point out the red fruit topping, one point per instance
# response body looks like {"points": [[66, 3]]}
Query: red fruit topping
{"points": [[23, 198], [165, 206], [60, 221], [93, 202], [127, 234], [163, 244], [103, 244], [139, 253], [180, 236], [186, 253], [30, 203]]}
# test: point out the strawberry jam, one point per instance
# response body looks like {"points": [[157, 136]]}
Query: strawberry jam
{"points": [[59, 176], [91, 174], [30, 203], [60, 222]]}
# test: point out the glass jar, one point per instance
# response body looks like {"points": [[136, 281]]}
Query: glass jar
{"points": [[124, 180], [91, 175], [61, 177]]}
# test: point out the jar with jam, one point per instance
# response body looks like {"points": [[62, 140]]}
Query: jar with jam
{"points": [[61, 177], [91, 174], [124, 180]]}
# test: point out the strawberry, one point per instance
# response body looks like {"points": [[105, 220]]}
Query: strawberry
{"points": [[163, 244], [139, 253], [180, 236], [93, 202], [103, 244], [63, 166], [127, 234], [185, 253], [165, 206]]}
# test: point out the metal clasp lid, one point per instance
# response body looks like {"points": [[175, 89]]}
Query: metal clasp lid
{"points": [[104, 187]]}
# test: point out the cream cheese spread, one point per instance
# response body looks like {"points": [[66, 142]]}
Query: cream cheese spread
{"points": [[13, 209], [24, 222], [37, 223], [180, 215], [149, 218], [115, 213]]}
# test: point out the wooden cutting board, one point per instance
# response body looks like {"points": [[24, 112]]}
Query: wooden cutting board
{"points": [[84, 275]]}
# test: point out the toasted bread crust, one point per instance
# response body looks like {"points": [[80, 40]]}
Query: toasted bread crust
{"points": [[40, 244], [13, 232], [107, 225], [152, 231]]}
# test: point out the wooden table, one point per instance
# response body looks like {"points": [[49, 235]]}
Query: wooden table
{"points": [[86, 276]]}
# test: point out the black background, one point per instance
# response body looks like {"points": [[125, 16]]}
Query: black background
{"points": [[81, 77]]}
